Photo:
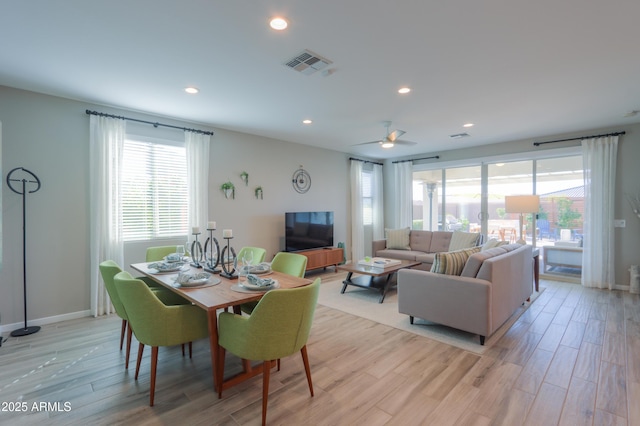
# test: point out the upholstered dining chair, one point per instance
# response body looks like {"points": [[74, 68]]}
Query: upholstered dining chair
{"points": [[156, 254], [287, 263], [156, 324], [108, 270], [258, 254], [279, 326]]}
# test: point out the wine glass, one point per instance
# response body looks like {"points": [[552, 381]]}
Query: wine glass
{"points": [[180, 251], [247, 259]]}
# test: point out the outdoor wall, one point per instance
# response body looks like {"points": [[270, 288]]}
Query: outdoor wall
{"points": [[627, 245], [50, 136]]}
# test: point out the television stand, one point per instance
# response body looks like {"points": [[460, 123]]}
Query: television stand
{"points": [[323, 257]]}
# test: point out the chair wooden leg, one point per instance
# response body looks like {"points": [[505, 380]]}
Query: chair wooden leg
{"points": [[140, 350], [122, 332], [278, 364], [183, 349], [154, 365], [266, 372], [126, 359], [307, 369], [221, 356], [190, 350]]}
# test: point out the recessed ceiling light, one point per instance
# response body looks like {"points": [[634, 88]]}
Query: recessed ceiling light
{"points": [[467, 125], [307, 121], [191, 90], [278, 23], [404, 90]]}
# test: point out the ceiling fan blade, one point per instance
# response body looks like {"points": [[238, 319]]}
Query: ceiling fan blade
{"points": [[392, 136], [402, 142], [366, 143]]}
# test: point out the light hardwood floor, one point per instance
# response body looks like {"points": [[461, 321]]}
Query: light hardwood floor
{"points": [[573, 358]]}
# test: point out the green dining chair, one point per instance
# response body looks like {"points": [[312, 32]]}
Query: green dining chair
{"points": [[156, 324], [287, 263], [156, 254], [279, 326], [258, 254], [108, 270]]}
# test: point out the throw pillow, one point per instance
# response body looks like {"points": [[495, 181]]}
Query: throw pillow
{"points": [[461, 240], [490, 244], [452, 262], [398, 238]]}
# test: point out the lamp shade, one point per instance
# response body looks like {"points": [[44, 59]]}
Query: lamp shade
{"points": [[521, 203]]}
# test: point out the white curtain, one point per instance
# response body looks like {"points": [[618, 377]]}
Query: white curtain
{"points": [[599, 158], [106, 242], [378, 203], [197, 150], [404, 193], [357, 225]]}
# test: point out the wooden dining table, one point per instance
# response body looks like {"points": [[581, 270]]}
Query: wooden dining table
{"points": [[213, 298]]}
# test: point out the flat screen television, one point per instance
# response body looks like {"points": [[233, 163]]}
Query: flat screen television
{"points": [[308, 230]]}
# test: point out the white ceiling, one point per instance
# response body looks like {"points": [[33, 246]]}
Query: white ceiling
{"points": [[517, 69]]}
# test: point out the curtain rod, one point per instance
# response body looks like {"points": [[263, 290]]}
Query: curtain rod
{"points": [[102, 114], [365, 161], [417, 159], [580, 138]]}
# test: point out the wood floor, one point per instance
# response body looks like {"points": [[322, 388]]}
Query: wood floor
{"points": [[573, 358]]}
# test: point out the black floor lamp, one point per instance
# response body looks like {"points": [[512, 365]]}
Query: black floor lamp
{"points": [[32, 181]]}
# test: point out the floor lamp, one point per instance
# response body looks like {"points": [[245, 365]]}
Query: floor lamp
{"points": [[522, 204]]}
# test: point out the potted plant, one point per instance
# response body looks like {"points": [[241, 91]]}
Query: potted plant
{"points": [[228, 188], [258, 192], [245, 177]]}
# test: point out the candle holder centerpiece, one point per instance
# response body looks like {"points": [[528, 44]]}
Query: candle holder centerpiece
{"points": [[211, 251], [228, 258], [196, 249]]}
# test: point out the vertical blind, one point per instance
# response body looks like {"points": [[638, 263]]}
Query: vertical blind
{"points": [[154, 191]]}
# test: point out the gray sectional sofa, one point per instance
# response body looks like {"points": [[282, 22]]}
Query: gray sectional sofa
{"points": [[492, 285], [423, 245]]}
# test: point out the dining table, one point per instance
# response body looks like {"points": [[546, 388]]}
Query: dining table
{"points": [[218, 294]]}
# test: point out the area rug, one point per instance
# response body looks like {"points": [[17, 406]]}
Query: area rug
{"points": [[364, 303]]}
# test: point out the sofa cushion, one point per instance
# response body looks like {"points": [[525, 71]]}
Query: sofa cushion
{"points": [[440, 241], [452, 262], [398, 254], [491, 243], [420, 240], [427, 258], [461, 240], [398, 239], [474, 262]]}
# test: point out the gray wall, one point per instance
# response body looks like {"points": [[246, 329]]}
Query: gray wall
{"points": [[627, 243], [50, 136]]}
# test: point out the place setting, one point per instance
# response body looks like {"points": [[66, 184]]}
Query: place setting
{"points": [[198, 279]]}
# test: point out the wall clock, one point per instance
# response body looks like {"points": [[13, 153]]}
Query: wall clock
{"points": [[301, 180]]}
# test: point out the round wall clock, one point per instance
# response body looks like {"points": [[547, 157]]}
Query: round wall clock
{"points": [[301, 180]]}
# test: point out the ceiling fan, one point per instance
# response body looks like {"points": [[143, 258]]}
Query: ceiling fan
{"points": [[391, 138]]}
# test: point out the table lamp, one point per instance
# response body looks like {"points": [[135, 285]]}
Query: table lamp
{"points": [[522, 204]]}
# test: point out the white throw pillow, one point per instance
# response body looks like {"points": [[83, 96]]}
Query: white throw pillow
{"points": [[398, 238], [490, 244], [461, 240]]}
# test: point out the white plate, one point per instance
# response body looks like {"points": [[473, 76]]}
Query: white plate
{"points": [[261, 269], [250, 286], [166, 260]]}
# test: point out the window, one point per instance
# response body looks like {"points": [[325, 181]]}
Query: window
{"points": [[367, 197], [154, 190]]}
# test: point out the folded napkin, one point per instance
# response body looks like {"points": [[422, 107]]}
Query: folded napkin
{"points": [[174, 257], [162, 266], [185, 278], [260, 282]]}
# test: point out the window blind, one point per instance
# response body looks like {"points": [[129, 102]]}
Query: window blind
{"points": [[154, 191]]}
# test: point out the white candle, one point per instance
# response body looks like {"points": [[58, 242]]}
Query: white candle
{"points": [[195, 230], [211, 225], [227, 233]]}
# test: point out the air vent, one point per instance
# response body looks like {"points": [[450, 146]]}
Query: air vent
{"points": [[308, 62], [459, 135]]}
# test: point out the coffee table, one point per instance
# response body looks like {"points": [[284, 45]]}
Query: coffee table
{"points": [[380, 279]]}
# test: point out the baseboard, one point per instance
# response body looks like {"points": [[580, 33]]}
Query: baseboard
{"points": [[45, 321]]}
